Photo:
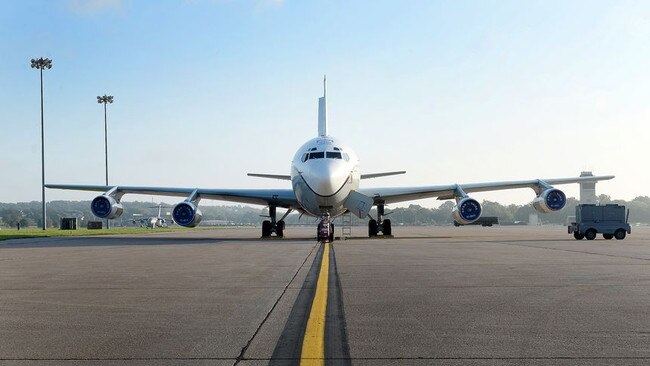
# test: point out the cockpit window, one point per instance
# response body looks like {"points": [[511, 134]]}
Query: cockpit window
{"points": [[312, 149], [322, 154], [337, 149]]}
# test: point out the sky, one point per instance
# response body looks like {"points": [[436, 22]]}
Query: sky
{"points": [[207, 91]]}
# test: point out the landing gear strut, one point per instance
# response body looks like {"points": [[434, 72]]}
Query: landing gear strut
{"points": [[273, 226], [380, 225]]}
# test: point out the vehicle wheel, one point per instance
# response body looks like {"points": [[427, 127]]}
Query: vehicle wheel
{"points": [[590, 234], [388, 230], [372, 228], [279, 229], [619, 234], [331, 238], [608, 236], [578, 236], [266, 228]]}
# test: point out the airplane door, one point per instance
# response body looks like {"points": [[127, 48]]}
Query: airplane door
{"points": [[358, 204]]}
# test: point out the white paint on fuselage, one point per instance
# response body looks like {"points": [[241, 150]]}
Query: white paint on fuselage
{"points": [[322, 185]]}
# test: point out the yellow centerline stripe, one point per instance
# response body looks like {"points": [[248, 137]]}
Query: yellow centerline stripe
{"points": [[313, 344]]}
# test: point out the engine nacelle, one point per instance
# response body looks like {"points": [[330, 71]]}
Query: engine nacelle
{"points": [[106, 207], [467, 211], [186, 214], [550, 200]]}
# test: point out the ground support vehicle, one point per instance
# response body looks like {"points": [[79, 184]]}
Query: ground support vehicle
{"points": [[609, 220]]}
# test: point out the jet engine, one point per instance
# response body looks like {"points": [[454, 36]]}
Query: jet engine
{"points": [[106, 207], [186, 214], [550, 200], [467, 211]]}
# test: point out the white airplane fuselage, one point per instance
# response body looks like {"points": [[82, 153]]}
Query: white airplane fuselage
{"points": [[323, 173]]}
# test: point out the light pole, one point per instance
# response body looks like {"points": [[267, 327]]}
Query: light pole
{"points": [[105, 99], [41, 64]]}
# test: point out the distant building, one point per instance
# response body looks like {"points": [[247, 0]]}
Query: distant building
{"points": [[588, 190]]}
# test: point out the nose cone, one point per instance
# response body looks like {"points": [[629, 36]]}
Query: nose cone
{"points": [[326, 176]]}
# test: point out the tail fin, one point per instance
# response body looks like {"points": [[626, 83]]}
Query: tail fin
{"points": [[322, 110]]}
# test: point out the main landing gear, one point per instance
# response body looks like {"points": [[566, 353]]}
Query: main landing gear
{"points": [[380, 225], [273, 226]]}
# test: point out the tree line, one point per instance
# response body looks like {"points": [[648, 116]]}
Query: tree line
{"points": [[29, 213]]}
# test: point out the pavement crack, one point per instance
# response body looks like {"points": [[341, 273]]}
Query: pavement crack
{"points": [[567, 250], [289, 345], [240, 357]]}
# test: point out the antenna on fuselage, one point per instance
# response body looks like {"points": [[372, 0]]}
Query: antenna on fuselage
{"points": [[322, 110]]}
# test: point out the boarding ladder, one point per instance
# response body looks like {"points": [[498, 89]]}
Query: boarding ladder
{"points": [[346, 225]]}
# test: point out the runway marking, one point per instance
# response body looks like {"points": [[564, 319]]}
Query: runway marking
{"points": [[240, 357], [319, 304], [313, 345]]}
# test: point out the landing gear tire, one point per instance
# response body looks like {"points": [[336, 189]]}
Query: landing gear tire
{"points": [[388, 230], [279, 230], [578, 236], [608, 236], [590, 234], [619, 234], [266, 228], [331, 238], [373, 228]]}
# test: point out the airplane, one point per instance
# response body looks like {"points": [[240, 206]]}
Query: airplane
{"points": [[153, 221], [325, 181]]}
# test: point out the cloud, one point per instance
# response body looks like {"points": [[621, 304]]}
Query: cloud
{"points": [[93, 6]]}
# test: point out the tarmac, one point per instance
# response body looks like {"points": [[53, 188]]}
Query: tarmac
{"points": [[429, 296]]}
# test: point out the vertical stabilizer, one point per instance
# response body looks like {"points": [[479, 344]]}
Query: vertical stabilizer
{"points": [[322, 111]]}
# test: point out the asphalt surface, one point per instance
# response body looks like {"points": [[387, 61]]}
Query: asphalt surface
{"points": [[429, 296]]}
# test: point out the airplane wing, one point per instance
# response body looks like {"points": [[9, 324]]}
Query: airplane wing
{"points": [[443, 192], [378, 175], [277, 197], [271, 176]]}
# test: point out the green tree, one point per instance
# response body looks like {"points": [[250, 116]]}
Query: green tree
{"points": [[11, 217]]}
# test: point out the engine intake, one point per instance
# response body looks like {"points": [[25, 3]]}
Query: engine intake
{"points": [[467, 211], [550, 200], [106, 207], [186, 214]]}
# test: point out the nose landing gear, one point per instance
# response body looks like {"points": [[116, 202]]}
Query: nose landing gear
{"points": [[325, 230], [380, 225]]}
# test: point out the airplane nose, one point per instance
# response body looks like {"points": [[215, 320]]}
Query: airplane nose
{"points": [[325, 176]]}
